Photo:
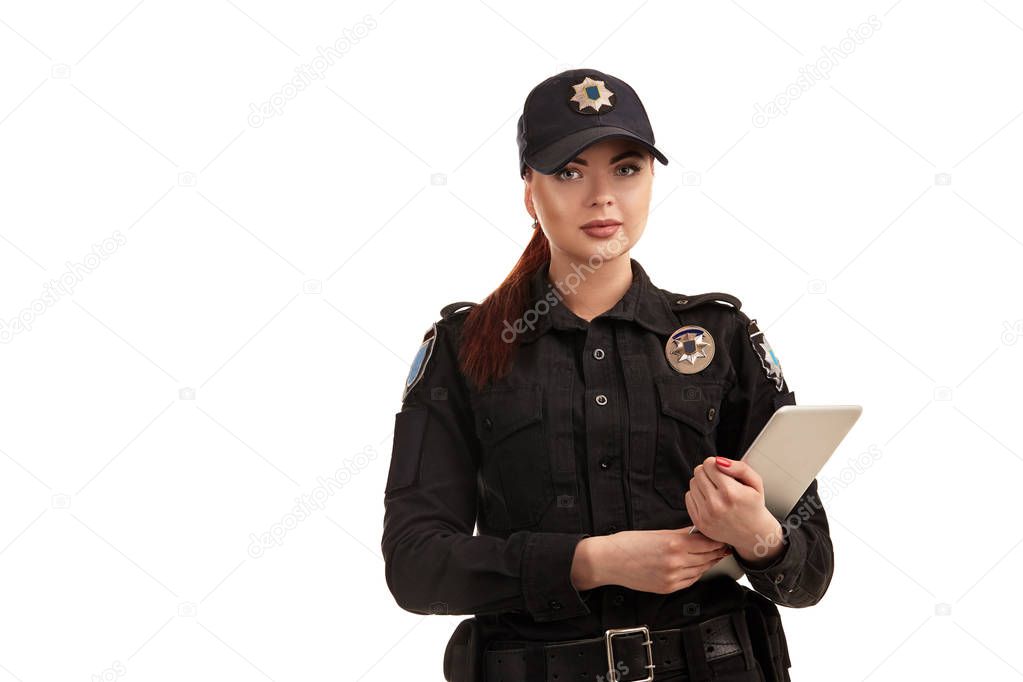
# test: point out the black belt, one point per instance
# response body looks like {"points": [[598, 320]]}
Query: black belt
{"points": [[642, 652]]}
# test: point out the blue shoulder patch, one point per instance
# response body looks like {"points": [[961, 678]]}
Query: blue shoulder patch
{"points": [[418, 368], [768, 360]]}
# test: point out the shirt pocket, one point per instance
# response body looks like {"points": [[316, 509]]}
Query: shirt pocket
{"points": [[688, 415], [515, 465]]}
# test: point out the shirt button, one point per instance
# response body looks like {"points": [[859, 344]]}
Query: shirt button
{"points": [[488, 423], [598, 353], [619, 600], [601, 399], [554, 604], [710, 414], [778, 578], [605, 463]]}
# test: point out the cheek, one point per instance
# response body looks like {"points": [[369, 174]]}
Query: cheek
{"points": [[560, 211], [642, 192], [637, 204]]}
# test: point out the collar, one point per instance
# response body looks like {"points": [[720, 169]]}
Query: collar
{"points": [[643, 304]]}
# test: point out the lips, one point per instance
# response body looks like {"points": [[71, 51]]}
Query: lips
{"points": [[602, 223], [601, 229]]}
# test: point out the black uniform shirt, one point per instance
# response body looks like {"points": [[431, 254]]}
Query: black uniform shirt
{"points": [[591, 433]]}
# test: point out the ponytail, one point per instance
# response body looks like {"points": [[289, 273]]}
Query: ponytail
{"points": [[484, 354]]}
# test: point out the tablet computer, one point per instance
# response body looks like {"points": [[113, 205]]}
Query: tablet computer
{"points": [[788, 453]]}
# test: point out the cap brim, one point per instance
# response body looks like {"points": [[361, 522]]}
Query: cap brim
{"points": [[555, 156]]}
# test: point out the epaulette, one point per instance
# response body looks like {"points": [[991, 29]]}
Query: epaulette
{"points": [[683, 302], [451, 308]]}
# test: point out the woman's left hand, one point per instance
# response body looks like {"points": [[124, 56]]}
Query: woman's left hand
{"points": [[726, 503]]}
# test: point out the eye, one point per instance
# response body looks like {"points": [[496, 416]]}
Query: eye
{"points": [[634, 167], [566, 170]]}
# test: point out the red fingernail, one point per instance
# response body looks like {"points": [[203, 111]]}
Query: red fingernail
{"points": [[723, 462]]}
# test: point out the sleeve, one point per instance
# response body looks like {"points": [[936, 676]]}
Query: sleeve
{"points": [[433, 561], [800, 575]]}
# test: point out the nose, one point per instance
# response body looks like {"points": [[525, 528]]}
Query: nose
{"points": [[602, 195]]}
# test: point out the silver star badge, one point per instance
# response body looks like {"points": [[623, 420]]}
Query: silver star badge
{"points": [[689, 349], [591, 93]]}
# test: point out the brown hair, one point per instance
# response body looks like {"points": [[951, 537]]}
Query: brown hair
{"points": [[483, 353]]}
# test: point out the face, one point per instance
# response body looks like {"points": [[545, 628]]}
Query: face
{"points": [[611, 179]]}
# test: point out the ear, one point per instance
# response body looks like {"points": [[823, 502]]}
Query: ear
{"points": [[528, 195]]}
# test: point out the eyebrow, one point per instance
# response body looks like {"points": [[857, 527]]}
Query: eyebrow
{"points": [[614, 159]]}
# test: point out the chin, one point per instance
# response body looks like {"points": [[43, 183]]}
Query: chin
{"points": [[608, 248], [596, 252]]}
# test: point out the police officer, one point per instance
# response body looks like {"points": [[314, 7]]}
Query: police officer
{"points": [[585, 420]]}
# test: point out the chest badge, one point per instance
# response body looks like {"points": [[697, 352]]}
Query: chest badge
{"points": [[689, 349]]}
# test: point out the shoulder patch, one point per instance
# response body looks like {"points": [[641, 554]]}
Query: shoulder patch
{"points": [[418, 368], [683, 302], [452, 308], [768, 360]]}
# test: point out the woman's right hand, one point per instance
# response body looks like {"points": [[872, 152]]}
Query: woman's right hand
{"points": [[659, 561]]}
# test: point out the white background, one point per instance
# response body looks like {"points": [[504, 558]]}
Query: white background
{"points": [[265, 285]]}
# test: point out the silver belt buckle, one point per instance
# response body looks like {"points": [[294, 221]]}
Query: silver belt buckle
{"points": [[613, 675]]}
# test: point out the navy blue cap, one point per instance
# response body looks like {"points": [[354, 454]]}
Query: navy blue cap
{"points": [[570, 111]]}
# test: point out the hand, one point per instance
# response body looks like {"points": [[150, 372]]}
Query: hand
{"points": [[727, 503], [659, 561]]}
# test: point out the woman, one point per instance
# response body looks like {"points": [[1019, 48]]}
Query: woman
{"points": [[574, 416]]}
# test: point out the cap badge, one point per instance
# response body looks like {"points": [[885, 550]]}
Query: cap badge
{"points": [[689, 349], [593, 94]]}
